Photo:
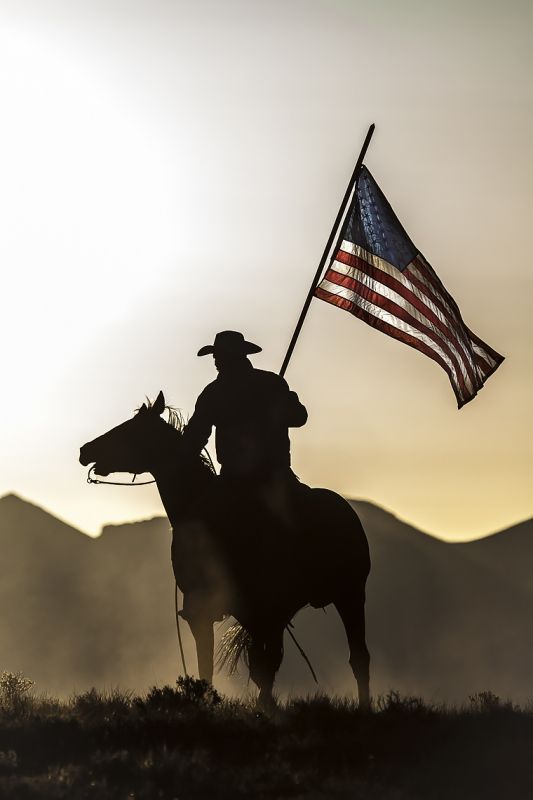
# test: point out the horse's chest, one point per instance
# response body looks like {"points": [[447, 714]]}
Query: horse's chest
{"points": [[196, 559]]}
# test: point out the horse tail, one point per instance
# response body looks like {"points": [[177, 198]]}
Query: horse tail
{"points": [[235, 644]]}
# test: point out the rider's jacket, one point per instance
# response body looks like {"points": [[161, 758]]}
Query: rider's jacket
{"points": [[251, 410]]}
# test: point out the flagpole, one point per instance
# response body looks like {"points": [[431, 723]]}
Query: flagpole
{"points": [[327, 249]]}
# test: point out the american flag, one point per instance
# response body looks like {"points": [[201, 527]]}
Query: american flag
{"points": [[377, 274]]}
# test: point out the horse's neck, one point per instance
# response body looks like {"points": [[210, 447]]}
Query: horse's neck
{"points": [[180, 491]]}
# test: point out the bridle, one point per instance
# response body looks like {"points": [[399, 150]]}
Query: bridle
{"points": [[90, 479], [100, 482]]}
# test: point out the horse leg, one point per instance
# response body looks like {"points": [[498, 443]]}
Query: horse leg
{"points": [[265, 656], [202, 630], [352, 612]]}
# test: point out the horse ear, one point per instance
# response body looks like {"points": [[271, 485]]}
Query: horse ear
{"points": [[143, 408], [159, 405]]}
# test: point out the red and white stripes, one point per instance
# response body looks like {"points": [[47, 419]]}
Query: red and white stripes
{"points": [[413, 306]]}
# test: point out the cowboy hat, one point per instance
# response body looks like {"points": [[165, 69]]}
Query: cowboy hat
{"points": [[231, 342]]}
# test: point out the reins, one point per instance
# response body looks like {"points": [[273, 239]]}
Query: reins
{"points": [[176, 609], [301, 651], [115, 483]]}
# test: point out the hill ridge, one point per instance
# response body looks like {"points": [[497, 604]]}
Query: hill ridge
{"points": [[14, 503]]}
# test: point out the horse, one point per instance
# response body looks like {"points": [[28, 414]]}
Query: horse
{"points": [[234, 556]]}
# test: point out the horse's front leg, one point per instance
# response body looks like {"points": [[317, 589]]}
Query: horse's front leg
{"points": [[202, 630]]}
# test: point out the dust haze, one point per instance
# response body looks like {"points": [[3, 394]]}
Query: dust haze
{"points": [[443, 620]]}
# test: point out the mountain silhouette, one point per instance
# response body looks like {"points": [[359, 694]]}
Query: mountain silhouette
{"points": [[443, 620], [81, 611]]}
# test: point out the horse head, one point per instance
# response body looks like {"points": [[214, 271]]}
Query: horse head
{"points": [[133, 446]]}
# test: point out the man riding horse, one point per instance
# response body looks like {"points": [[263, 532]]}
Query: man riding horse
{"points": [[325, 559], [252, 410]]}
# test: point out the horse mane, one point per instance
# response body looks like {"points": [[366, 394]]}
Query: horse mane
{"points": [[175, 418], [177, 421]]}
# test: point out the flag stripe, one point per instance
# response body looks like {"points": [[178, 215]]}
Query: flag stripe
{"points": [[423, 271], [428, 282], [423, 281], [417, 283], [493, 357], [489, 355], [420, 276], [381, 296], [400, 289], [482, 359], [385, 273], [384, 308], [391, 330]]}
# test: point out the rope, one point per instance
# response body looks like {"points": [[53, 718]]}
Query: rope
{"points": [[179, 631], [207, 454], [302, 653]]}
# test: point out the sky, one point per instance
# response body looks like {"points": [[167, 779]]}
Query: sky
{"points": [[172, 169]]}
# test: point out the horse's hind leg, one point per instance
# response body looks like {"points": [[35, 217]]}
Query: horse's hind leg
{"points": [[352, 612], [265, 656]]}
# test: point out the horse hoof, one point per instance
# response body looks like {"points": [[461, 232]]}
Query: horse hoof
{"points": [[266, 704], [365, 705]]}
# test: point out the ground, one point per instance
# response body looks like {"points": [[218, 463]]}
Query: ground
{"points": [[188, 742]]}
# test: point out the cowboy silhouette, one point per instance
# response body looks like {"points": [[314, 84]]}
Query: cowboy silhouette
{"points": [[252, 410]]}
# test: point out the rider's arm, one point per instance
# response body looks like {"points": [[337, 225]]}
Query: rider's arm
{"points": [[292, 412], [198, 429], [296, 411]]}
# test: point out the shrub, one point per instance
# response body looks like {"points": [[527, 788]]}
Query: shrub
{"points": [[101, 706], [13, 691], [484, 701], [197, 691], [188, 692], [487, 702]]}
